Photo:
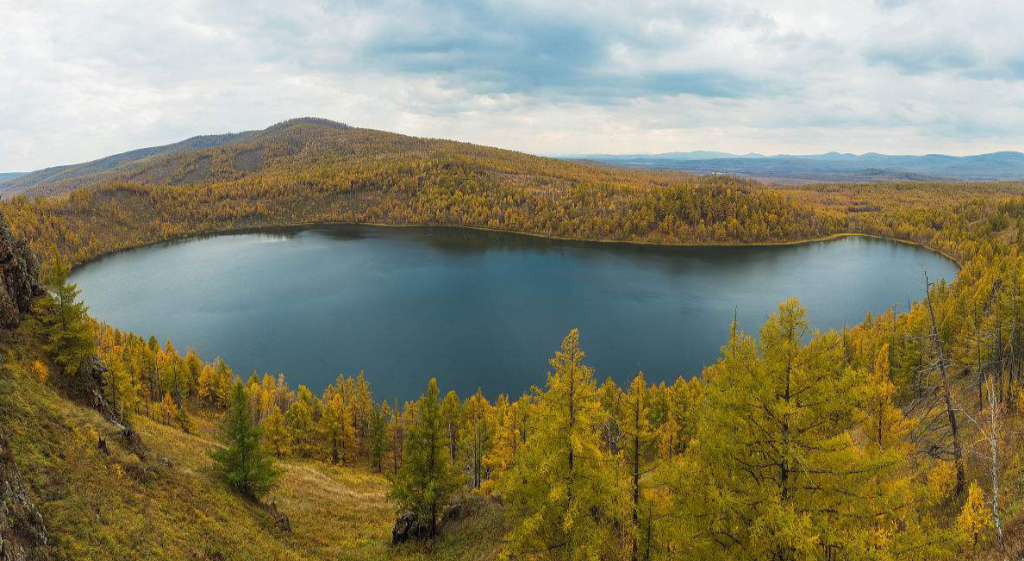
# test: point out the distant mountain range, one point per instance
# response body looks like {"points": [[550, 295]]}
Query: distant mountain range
{"points": [[289, 146], [833, 166]]}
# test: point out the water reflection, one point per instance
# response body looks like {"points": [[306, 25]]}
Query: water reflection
{"points": [[475, 308]]}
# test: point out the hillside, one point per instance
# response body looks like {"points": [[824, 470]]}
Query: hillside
{"points": [[187, 161], [883, 453], [170, 504], [305, 171]]}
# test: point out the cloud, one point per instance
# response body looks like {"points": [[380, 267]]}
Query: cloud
{"points": [[83, 79]]}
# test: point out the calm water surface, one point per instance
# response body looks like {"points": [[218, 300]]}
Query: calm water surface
{"points": [[475, 309]]}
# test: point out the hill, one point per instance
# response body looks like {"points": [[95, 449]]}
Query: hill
{"points": [[169, 504], [794, 445], [158, 164], [833, 166], [309, 171]]}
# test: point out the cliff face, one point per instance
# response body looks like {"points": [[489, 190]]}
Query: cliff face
{"points": [[22, 534], [19, 277]]}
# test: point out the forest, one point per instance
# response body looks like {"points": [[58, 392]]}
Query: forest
{"points": [[899, 438]]}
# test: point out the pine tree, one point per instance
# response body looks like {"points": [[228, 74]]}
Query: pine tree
{"points": [[425, 483], [361, 410], [562, 493], [451, 412], [975, 518], [207, 385], [636, 450], [611, 407], [243, 462], [502, 454], [168, 409], [183, 420], [378, 435], [884, 422], [301, 427], [476, 436], [123, 394], [780, 474], [338, 428], [62, 320], [396, 435], [275, 433], [193, 368]]}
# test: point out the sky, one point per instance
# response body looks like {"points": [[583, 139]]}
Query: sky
{"points": [[84, 79]]}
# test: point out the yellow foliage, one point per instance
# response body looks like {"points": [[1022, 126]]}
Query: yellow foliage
{"points": [[975, 519], [941, 482], [41, 372]]}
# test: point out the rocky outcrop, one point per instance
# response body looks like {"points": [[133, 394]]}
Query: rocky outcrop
{"points": [[87, 387], [22, 534], [19, 277], [409, 527]]}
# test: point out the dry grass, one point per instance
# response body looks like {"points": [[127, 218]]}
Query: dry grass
{"points": [[172, 506]]}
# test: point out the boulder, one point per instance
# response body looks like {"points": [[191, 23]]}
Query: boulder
{"points": [[408, 527], [280, 519], [19, 278]]}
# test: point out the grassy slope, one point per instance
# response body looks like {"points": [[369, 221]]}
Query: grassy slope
{"points": [[172, 506]]}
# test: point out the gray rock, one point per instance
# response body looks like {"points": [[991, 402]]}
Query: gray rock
{"points": [[19, 277], [22, 533]]}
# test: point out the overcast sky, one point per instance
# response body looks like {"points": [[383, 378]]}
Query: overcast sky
{"points": [[84, 79]]}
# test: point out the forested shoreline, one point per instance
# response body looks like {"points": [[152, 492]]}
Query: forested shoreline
{"points": [[896, 439]]}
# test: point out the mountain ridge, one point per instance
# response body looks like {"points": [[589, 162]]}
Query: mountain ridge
{"points": [[68, 177], [832, 166]]}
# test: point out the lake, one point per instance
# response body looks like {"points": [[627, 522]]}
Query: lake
{"points": [[479, 309]]}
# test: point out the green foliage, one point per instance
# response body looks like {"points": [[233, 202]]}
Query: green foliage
{"points": [[779, 474], [563, 496], [243, 463], [62, 319], [426, 483], [378, 435]]}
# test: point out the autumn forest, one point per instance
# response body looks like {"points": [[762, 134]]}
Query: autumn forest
{"points": [[898, 438]]}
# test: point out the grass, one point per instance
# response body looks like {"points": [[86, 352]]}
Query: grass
{"points": [[172, 506]]}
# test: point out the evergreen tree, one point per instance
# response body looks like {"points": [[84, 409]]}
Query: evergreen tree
{"points": [[425, 483], [378, 435], [476, 436], [637, 450], [502, 453], [301, 427], [243, 462], [780, 476], [563, 497], [338, 428], [182, 418], [451, 411], [168, 409], [975, 519], [63, 321], [275, 433]]}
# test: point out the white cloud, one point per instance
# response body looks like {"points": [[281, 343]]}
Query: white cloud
{"points": [[83, 79]]}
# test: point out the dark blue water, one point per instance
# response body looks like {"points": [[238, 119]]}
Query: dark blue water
{"points": [[476, 309]]}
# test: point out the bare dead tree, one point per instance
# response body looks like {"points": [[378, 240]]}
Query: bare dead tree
{"points": [[990, 432], [945, 392]]}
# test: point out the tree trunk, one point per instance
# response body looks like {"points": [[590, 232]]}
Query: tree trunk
{"points": [[958, 459]]}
